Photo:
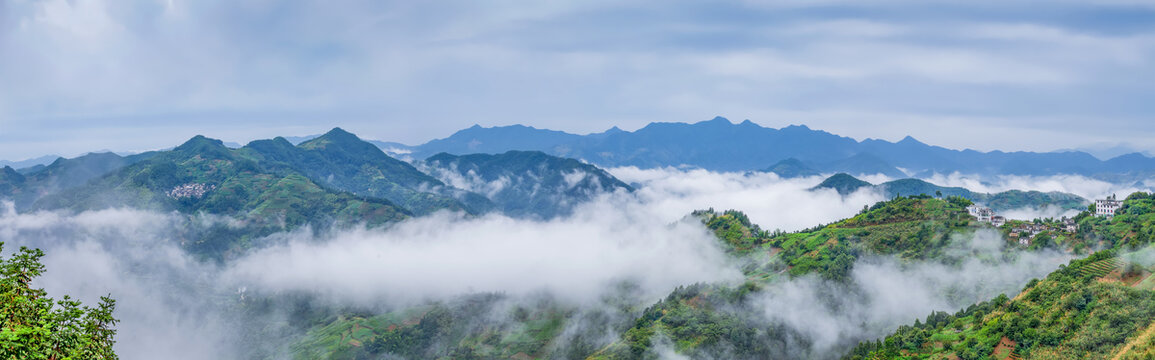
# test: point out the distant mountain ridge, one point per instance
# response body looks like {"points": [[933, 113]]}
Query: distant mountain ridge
{"points": [[337, 162], [525, 183], [721, 145], [43, 160], [1013, 199], [267, 186]]}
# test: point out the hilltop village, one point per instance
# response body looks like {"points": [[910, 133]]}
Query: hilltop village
{"points": [[1027, 232]]}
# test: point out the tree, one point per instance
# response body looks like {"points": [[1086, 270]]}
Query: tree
{"points": [[34, 326]]}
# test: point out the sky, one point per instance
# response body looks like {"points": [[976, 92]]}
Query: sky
{"points": [[132, 75]]}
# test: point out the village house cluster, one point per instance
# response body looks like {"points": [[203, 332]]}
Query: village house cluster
{"points": [[985, 214], [192, 190], [1024, 232]]}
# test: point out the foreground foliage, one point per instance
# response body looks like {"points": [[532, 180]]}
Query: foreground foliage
{"points": [[34, 326]]}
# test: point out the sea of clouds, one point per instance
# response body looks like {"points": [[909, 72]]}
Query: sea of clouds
{"points": [[172, 305]]}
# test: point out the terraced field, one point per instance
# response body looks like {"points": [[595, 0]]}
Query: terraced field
{"points": [[1101, 268]]}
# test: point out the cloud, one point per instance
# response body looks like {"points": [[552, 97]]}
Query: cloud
{"points": [[885, 293], [770, 201], [166, 302], [1085, 187], [115, 74], [1049, 211], [174, 306], [444, 255]]}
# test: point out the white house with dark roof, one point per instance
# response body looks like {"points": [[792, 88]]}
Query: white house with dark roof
{"points": [[984, 214], [1107, 207]]}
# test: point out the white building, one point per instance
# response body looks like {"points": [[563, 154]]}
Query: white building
{"points": [[984, 214], [998, 220], [1106, 207]]}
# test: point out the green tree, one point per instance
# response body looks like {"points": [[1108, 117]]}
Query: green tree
{"points": [[34, 326]]}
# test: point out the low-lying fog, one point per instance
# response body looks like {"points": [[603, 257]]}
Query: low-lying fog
{"points": [[173, 306]]}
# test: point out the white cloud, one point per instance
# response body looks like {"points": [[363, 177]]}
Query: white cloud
{"points": [[104, 74], [1085, 187], [165, 305], [173, 306], [770, 201], [885, 293], [443, 255], [1029, 213]]}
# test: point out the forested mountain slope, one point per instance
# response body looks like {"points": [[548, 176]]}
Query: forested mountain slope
{"points": [[698, 320], [204, 176], [343, 161], [525, 183], [1100, 307]]}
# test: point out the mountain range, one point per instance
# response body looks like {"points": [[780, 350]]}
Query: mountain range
{"points": [[1095, 308], [273, 185], [722, 145], [525, 183]]}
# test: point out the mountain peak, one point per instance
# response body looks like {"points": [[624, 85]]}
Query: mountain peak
{"points": [[909, 140], [843, 183], [10, 175], [611, 131], [718, 120], [203, 146], [279, 143], [791, 168], [281, 140], [797, 127], [1134, 155], [338, 133], [337, 136], [200, 141]]}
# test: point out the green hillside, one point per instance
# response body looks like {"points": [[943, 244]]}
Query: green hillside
{"points": [[343, 161], [1100, 307], [697, 320], [843, 183], [709, 319], [1093, 307], [204, 176], [1088, 310]]}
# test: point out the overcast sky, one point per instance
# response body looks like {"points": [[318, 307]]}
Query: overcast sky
{"points": [[125, 75]]}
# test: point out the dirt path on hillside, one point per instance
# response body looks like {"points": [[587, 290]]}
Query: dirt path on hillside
{"points": [[1146, 333]]}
